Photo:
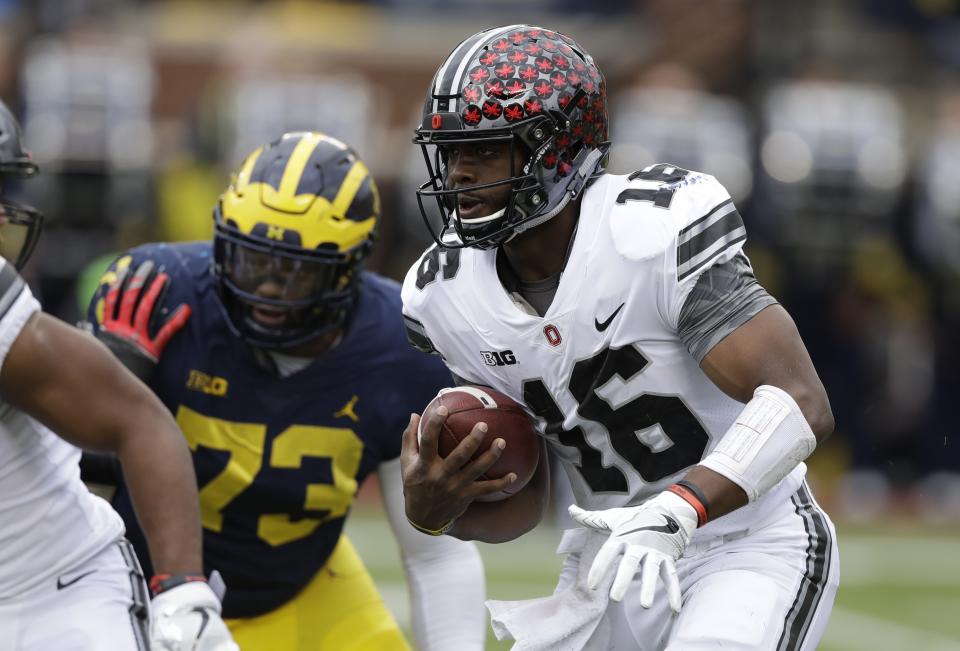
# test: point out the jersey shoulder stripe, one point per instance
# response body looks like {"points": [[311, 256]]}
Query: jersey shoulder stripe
{"points": [[707, 236], [11, 286], [417, 335]]}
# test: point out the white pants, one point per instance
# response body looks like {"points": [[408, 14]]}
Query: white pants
{"points": [[767, 589], [100, 605]]}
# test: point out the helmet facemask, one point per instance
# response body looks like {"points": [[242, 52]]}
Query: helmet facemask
{"points": [[20, 228], [20, 225], [309, 293], [488, 231]]}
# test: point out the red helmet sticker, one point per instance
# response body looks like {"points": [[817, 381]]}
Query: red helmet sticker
{"points": [[479, 74], [514, 87], [532, 49], [472, 115], [548, 46], [494, 88], [471, 94], [513, 112], [543, 89], [534, 33], [560, 61], [505, 70], [517, 57], [527, 73], [550, 159], [543, 64], [574, 78], [559, 80], [436, 121], [517, 37], [564, 98], [492, 109], [566, 49], [562, 140], [488, 58], [533, 106], [501, 45]]}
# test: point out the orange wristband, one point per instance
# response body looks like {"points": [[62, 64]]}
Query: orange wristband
{"points": [[692, 495]]}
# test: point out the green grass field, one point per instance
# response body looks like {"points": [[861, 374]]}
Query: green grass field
{"points": [[899, 587]]}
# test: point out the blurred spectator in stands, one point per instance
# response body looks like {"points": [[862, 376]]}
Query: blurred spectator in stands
{"points": [[87, 103], [668, 117]]}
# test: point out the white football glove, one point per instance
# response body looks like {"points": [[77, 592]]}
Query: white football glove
{"points": [[654, 533], [187, 618]]}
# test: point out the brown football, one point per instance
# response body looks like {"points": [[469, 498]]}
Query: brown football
{"points": [[505, 418]]}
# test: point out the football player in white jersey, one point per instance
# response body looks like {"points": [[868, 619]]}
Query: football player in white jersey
{"points": [[68, 579], [675, 390]]}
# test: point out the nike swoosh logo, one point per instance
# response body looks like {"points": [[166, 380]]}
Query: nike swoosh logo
{"points": [[606, 324], [670, 527], [61, 584]]}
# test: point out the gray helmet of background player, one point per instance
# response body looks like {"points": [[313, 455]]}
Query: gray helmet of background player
{"points": [[20, 225], [528, 87]]}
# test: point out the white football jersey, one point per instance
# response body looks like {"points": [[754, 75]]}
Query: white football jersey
{"points": [[51, 522], [619, 397]]}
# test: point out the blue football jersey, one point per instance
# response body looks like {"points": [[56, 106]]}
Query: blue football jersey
{"points": [[278, 459]]}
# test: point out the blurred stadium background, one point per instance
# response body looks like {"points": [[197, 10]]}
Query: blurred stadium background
{"points": [[835, 124]]}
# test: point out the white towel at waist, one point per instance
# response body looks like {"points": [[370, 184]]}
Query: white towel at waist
{"points": [[572, 618]]}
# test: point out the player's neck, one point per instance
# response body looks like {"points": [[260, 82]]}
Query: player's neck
{"points": [[324, 343], [540, 252]]}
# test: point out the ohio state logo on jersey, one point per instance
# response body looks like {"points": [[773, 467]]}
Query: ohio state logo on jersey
{"points": [[552, 334]]}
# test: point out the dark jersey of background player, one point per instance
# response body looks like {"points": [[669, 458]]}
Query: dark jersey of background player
{"points": [[279, 459]]}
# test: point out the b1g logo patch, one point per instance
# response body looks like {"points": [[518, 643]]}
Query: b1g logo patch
{"points": [[501, 358], [208, 384]]}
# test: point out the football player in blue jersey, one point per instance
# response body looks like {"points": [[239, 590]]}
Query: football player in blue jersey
{"points": [[287, 368]]}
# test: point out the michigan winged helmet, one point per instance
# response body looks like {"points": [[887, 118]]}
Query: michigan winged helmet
{"points": [[291, 234]]}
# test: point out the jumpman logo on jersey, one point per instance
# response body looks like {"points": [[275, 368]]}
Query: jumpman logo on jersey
{"points": [[348, 411]]}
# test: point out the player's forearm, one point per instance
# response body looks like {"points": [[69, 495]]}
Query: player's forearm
{"points": [[159, 475], [496, 522]]}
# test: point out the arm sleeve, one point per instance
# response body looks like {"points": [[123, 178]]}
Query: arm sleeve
{"points": [[17, 305], [726, 296], [444, 575]]}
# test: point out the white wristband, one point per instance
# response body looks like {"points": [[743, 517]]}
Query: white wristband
{"points": [[769, 439]]}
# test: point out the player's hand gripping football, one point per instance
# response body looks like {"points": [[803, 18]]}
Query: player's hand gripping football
{"points": [[648, 538], [131, 312], [437, 490], [186, 617]]}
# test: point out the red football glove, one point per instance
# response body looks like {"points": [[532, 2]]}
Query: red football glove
{"points": [[128, 328]]}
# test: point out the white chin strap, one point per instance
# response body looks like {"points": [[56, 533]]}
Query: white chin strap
{"points": [[482, 220]]}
